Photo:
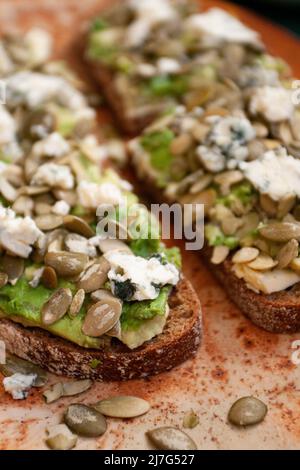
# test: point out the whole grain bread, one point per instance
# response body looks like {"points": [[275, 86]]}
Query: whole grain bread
{"points": [[278, 312], [178, 342]]}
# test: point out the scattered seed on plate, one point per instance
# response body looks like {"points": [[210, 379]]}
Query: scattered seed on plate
{"points": [[77, 303], [190, 420], [85, 421], [247, 411], [122, 407], [169, 438], [60, 437]]}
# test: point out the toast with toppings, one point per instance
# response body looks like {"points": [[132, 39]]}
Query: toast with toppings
{"points": [[178, 342], [148, 59], [238, 155], [75, 298]]}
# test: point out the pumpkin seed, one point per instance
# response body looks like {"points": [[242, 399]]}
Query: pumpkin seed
{"points": [[69, 196], [228, 178], [49, 278], [101, 294], [3, 279], [42, 208], [220, 253], [122, 407], [260, 129], [169, 438], [245, 255], [85, 421], [66, 264], [77, 225], [75, 388], [56, 306], [190, 420], [262, 262], [48, 222], [231, 224], [101, 317], [181, 144], [256, 148], [206, 197], [247, 411], [55, 240], [23, 205], [16, 365], [13, 267], [280, 231], [77, 303], [115, 331], [53, 393], [95, 276], [60, 438], [287, 253], [268, 205], [108, 244], [201, 184], [33, 190]]}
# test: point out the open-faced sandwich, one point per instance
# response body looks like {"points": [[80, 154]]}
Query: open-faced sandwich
{"points": [[238, 153], [71, 299], [147, 56]]}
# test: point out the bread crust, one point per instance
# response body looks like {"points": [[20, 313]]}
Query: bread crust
{"points": [[178, 342]]}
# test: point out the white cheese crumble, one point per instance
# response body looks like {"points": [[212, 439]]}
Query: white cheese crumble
{"points": [[53, 175], [39, 44], [7, 126], [275, 104], [222, 26], [33, 89], [61, 208], [167, 65], [18, 385], [17, 234], [79, 244], [275, 173], [54, 145], [91, 195], [144, 274], [148, 14]]}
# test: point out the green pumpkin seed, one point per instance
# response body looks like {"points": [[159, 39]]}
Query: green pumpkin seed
{"points": [[101, 317], [169, 438], [77, 225], [49, 278], [281, 231], [13, 267], [56, 307], [247, 411], [16, 365], [190, 420], [53, 393], [122, 407], [85, 421], [66, 264], [95, 276], [60, 438], [77, 303]]}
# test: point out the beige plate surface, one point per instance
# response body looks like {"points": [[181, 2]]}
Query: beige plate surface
{"points": [[235, 359]]}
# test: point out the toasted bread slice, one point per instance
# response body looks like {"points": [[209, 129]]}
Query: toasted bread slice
{"points": [[129, 124], [278, 312], [178, 342]]}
